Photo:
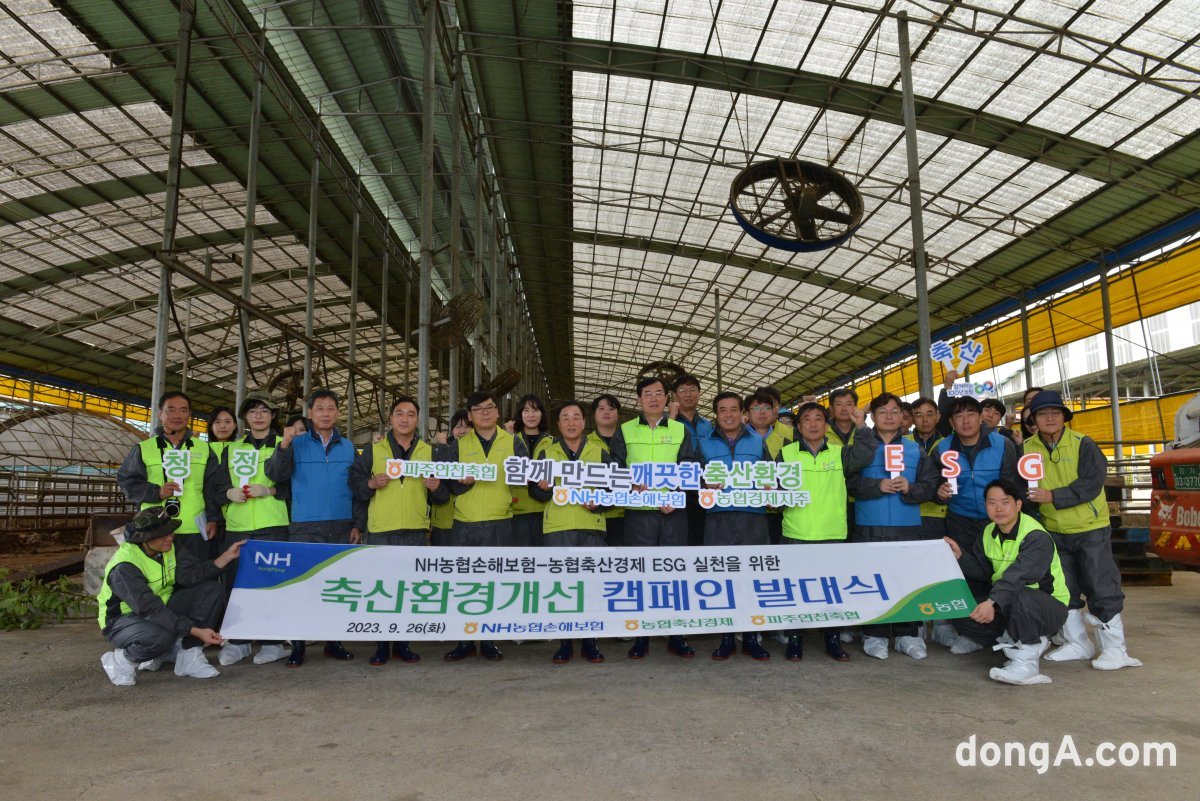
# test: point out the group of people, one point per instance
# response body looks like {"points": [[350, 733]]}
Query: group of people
{"points": [[1035, 557]]}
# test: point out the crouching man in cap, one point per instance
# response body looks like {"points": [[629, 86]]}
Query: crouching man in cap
{"points": [[153, 609]]}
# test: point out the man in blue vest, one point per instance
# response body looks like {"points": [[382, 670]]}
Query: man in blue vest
{"points": [[168, 470], [984, 456], [317, 460], [154, 609], [1074, 509], [732, 441], [888, 509], [653, 437]]}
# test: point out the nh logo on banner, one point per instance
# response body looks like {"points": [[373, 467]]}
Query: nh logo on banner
{"points": [[273, 559]]}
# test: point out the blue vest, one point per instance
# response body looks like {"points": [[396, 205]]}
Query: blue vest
{"points": [[320, 482], [890, 509], [703, 428], [989, 456], [748, 448]]}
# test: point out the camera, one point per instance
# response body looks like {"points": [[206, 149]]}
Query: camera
{"points": [[172, 506]]}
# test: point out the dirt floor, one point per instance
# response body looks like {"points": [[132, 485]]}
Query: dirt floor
{"points": [[661, 729]]}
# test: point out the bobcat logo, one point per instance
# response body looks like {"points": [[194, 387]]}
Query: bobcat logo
{"points": [[1166, 512]]}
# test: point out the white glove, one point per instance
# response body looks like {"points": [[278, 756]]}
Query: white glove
{"points": [[259, 491], [235, 495]]}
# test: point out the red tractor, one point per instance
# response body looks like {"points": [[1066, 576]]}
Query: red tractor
{"points": [[1175, 496]]}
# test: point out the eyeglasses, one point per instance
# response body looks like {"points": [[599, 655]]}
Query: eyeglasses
{"points": [[491, 407], [654, 394], [760, 408]]}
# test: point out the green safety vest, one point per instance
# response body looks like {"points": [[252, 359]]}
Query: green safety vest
{"points": [[1062, 468], [522, 503], [403, 505], [571, 517], [1003, 553], [824, 518], [160, 575], [191, 503], [597, 440], [256, 513], [931, 508], [660, 444], [485, 500]]}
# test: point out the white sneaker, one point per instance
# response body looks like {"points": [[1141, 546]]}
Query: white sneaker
{"points": [[192, 662], [964, 645], [120, 669], [911, 646], [270, 653], [876, 647], [232, 653]]}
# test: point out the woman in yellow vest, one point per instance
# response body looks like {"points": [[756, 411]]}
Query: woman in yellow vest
{"points": [[1027, 601], [390, 508], [482, 509], [1075, 511], [606, 416], [571, 525], [441, 515], [528, 424], [247, 499]]}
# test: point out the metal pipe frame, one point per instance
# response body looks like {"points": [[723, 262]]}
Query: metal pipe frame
{"points": [[424, 300], [249, 234], [924, 337], [187, 17]]}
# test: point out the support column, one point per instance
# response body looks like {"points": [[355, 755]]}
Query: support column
{"points": [[313, 199], [717, 334], [248, 238], [924, 337], [427, 162], [477, 350], [1110, 353], [352, 354], [1025, 343], [183, 59], [456, 172], [384, 401]]}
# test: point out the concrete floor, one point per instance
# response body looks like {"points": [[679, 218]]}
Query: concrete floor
{"points": [[660, 729]]}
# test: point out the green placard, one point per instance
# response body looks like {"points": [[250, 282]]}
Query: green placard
{"points": [[1187, 476]]}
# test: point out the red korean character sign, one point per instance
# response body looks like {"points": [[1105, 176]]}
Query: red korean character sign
{"points": [[1031, 468], [951, 470]]}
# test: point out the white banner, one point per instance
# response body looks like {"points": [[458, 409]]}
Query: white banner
{"points": [[300, 591]]}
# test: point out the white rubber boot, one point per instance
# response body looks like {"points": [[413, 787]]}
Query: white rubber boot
{"points": [[944, 633], [120, 670], [1022, 665], [912, 646], [270, 653], [170, 656], [964, 645], [192, 662], [1113, 655], [232, 653], [875, 646], [1077, 645]]}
